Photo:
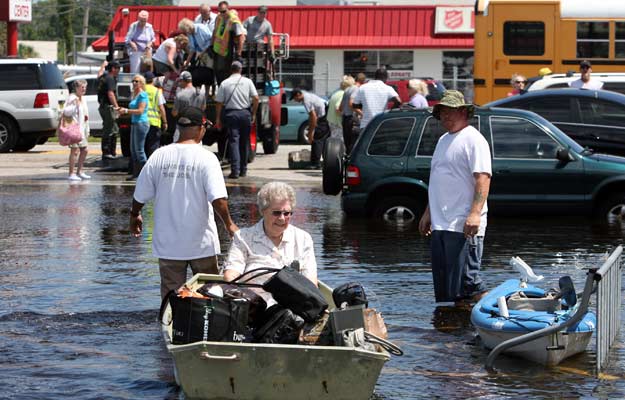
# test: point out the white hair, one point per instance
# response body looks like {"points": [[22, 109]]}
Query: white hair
{"points": [[275, 192]]}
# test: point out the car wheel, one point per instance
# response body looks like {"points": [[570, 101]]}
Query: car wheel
{"points": [[612, 209], [8, 134], [302, 133], [333, 153], [251, 154], [271, 140], [25, 144], [398, 210], [124, 138]]}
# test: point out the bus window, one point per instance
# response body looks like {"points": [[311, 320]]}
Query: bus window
{"points": [[620, 40], [593, 39], [524, 38]]}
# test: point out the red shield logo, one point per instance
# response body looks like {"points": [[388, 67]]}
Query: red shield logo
{"points": [[453, 19]]}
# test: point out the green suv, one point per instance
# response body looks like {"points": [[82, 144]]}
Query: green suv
{"points": [[537, 169]]}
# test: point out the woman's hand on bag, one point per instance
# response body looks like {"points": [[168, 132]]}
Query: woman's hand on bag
{"points": [[133, 46]]}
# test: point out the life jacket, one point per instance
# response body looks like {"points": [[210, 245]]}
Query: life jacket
{"points": [[154, 116], [221, 34]]}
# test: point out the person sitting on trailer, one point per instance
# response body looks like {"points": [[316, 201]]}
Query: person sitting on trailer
{"points": [[272, 242], [227, 41], [258, 28], [206, 17]]}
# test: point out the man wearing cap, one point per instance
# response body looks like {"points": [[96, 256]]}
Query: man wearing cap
{"points": [[188, 95], [139, 40], [456, 214], [585, 81], [206, 17], [258, 28], [235, 96], [318, 128], [107, 87], [156, 114], [187, 186]]}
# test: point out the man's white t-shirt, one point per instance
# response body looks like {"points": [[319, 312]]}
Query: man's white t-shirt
{"points": [[374, 97], [452, 183], [183, 180], [592, 84]]}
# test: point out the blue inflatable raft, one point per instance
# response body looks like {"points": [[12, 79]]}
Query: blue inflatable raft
{"points": [[515, 308]]}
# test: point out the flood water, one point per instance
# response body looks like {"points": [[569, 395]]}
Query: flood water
{"points": [[79, 297]]}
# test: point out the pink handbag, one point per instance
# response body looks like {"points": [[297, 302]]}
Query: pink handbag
{"points": [[68, 132]]}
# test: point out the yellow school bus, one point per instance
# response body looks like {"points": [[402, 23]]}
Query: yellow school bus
{"points": [[523, 36]]}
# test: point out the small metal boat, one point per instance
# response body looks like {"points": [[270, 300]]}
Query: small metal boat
{"points": [[226, 370], [550, 328]]}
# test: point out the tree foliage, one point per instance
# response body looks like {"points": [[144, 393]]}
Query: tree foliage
{"points": [[61, 19]]}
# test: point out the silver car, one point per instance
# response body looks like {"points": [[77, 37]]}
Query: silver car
{"points": [[32, 95]]}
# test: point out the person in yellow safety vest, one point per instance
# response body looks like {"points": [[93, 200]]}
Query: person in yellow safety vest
{"points": [[227, 41], [156, 114]]}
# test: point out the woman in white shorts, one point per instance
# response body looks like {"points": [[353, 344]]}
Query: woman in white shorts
{"points": [[76, 108]]}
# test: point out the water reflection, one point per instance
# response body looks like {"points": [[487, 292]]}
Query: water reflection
{"points": [[79, 297]]}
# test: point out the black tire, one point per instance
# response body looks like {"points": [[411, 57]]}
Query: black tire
{"points": [[612, 208], [8, 134], [251, 154], [124, 135], [25, 144], [302, 133], [333, 154], [271, 140], [398, 210]]}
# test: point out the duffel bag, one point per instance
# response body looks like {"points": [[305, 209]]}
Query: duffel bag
{"points": [[208, 319], [351, 293], [281, 326], [296, 292]]}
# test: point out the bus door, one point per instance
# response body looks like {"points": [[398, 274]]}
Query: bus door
{"points": [[523, 40]]}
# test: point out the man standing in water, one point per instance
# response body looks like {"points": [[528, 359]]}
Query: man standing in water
{"points": [[456, 213], [187, 185]]}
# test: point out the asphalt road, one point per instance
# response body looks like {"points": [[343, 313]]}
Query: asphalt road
{"points": [[50, 162]]}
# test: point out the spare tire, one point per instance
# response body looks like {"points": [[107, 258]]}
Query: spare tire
{"points": [[333, 154]]}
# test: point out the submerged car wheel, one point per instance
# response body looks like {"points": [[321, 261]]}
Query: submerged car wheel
{"points": [[398, 210], [612, 209]]}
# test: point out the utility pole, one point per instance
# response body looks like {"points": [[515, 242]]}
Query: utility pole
{"points": [[85, 25]]}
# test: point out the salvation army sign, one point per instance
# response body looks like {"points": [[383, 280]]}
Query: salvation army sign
{"points": [[454, 20]]}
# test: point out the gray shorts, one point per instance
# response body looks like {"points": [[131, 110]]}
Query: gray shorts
{"points": [[174, 272]]}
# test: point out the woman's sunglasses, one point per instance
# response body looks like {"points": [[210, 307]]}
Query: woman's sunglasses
{"points": [[285, 214]]}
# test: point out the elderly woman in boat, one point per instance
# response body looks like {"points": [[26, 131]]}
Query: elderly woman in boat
{"points": [[273, 241]]}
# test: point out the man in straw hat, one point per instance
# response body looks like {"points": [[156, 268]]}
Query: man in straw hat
{"points": [[456, 214]]}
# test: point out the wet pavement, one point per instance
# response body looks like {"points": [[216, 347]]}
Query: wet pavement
{"points": [[79, 297]]}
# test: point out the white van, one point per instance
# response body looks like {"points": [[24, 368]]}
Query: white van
{"points": [[32, 95], [613, 81]]}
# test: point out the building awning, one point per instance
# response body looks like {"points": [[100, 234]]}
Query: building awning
{"points": [[317, 27]]}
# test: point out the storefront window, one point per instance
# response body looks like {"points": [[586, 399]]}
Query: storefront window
{"points": [[593, 39], [368, 61], [297, 70], [458, 72]]}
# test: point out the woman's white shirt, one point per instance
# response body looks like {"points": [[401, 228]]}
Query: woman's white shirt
{"points": [[78, 110]]}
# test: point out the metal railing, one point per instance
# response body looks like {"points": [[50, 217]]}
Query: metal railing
{"points": [[606, 282], [608, 305]]}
